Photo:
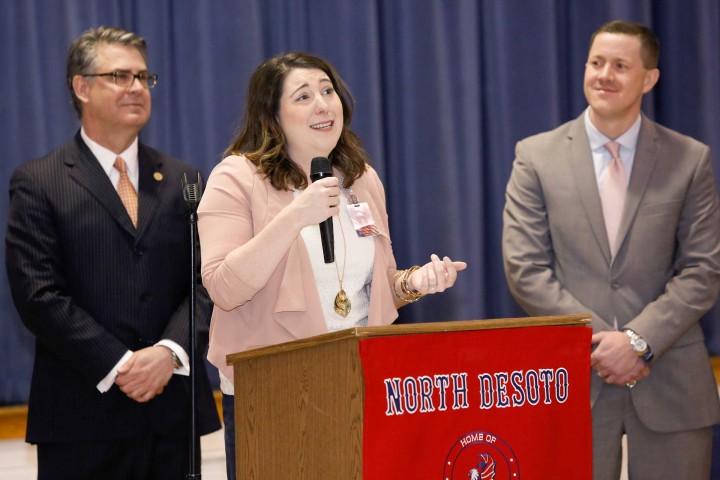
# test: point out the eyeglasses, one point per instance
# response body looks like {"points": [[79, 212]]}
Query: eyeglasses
{"points": [[125, 79]]}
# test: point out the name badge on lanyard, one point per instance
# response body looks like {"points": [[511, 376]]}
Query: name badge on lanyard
{"points": [[362, 219]]}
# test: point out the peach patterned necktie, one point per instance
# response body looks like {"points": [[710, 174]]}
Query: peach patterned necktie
{"points": [[127, 192], [612, 194]]}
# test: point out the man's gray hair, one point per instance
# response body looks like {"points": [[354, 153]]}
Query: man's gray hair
{"points": [[83, 52]]}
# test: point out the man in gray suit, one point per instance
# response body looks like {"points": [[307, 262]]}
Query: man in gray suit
{"points": [[632, 237], [100, 277]]}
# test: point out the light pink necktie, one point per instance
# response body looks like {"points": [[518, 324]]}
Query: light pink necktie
{"points": [[612, 195], [127, 192]]}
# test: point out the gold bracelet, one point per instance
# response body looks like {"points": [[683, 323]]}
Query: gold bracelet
{"points": [[404, 283], [398, 274], [410, 294]]}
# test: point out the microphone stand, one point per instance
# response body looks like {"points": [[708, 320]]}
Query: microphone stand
{"points": [[192, 193]]}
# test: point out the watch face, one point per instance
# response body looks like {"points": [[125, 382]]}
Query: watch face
{"points": [[639, 345]]}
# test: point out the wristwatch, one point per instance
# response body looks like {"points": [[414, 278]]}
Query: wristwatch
{"points": [[176, 360], [639, 345]]}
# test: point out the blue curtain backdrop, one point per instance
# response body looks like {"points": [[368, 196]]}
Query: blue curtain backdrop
{"points": [[444, 89]]}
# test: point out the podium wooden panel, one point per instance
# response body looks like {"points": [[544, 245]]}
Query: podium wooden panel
{"points": [[299, 406]]}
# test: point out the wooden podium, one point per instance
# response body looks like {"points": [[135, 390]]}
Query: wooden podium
{"points": [[367, 403]]}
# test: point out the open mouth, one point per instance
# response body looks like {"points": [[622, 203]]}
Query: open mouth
{"points": [[320, 126]]}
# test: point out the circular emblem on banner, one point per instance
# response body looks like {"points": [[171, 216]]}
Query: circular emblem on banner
{"points": [[481, 456]]}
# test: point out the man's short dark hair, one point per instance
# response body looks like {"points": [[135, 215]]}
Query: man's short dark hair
{"points": [[649, 44]]}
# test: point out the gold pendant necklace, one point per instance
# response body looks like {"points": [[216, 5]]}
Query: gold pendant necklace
{"points": [[342, 302]]}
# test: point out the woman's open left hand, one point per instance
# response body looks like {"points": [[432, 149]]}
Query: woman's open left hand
{"points": [[436, 276]]}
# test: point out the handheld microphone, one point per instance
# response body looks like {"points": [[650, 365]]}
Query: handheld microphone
{"points": [[320, 168]]}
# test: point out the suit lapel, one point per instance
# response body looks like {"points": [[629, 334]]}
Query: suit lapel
{"points": [[581, 165], [645, 159], [85, 169], [152, 181]]}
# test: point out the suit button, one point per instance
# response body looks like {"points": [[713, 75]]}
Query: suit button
{"points": [[138, 251], [144, 297], [615, 285]]}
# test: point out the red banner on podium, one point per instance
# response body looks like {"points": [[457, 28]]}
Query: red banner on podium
{"points": [[484, 404]]}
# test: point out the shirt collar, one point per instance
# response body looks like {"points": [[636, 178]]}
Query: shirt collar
{"points": [[627, 140], [107, 157]]}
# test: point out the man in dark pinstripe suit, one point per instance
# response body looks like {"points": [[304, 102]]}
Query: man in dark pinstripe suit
{"points": [[103, 286]]}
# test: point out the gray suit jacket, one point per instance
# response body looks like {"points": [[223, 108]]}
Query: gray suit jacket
{"points": [[664, 277]]}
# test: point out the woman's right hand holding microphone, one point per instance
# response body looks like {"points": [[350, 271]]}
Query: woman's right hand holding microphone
{"points": [[318, 202]]}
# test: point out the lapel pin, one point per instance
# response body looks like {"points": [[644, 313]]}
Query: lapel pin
{"points": [[158, 176]]}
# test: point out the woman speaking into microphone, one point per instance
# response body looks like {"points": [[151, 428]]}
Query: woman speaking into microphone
{"points": [[262, 253]]}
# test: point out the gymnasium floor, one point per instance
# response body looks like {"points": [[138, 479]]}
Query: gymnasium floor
{"points": [[18, 461]]}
